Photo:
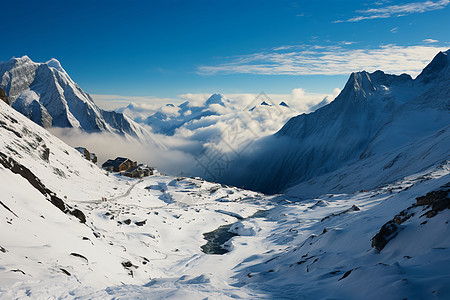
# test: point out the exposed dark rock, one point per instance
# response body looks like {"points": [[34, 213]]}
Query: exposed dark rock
{"points": [[87, 155], [79, 214], [23, 171], [403, 216], [45, 155], [127, 264], [438, 200], [127, 221], [7, 208], [441, 204], [346, 274], [140, 223], [431, 197], [58, 202], [430, 214], [145, 260], [3, 96], [3, 249], [65, 272], [5, 126], [387, 232], [353, 208], [18, 270], [79, 255]]}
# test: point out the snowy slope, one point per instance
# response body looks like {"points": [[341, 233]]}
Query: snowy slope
{"points": [[376, 114], [46, 94], [145, 240], [144, 227]]}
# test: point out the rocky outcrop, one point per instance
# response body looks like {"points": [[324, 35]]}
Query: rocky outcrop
{"points": [[87, 155], [23, 171], [3, 96], [433, 202]]}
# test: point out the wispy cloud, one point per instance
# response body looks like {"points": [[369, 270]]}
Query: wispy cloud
{"points": [[327, 60], [397, 10], [430, 41]]}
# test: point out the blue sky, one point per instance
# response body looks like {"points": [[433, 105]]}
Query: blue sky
{"points": [[166, 48]]}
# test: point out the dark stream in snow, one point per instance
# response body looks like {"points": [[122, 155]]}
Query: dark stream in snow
{"points": [[215, 239]]}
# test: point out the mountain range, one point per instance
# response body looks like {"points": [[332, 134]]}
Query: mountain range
{"points": [[364, 215]]}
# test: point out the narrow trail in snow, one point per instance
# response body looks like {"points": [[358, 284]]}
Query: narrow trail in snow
{"points": [[126, 194]]}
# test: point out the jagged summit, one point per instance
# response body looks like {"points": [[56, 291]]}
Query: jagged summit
{"points": [[282, 103], [361, 85], [22, 59]]}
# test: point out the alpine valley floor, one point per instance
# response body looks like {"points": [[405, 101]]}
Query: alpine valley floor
{"points": [[145, 242]]}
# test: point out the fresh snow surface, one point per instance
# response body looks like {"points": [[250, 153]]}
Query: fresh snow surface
{"points": [[145, 240]]}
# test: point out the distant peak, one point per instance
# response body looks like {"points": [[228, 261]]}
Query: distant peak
{"points": [[265, 103], [54, 63], [217, 99], [282, 103]]}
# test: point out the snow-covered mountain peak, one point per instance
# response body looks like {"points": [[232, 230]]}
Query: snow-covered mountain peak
{"points": [[217, 99], [363, 84], [438, 67], [54, 63], [46, 94]]}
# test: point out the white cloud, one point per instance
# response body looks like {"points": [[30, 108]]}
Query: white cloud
{"points": [[430, 41], [394, 30], [328, 60], [107, 145], [111, 102], [185, 148], [398, 10]]}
